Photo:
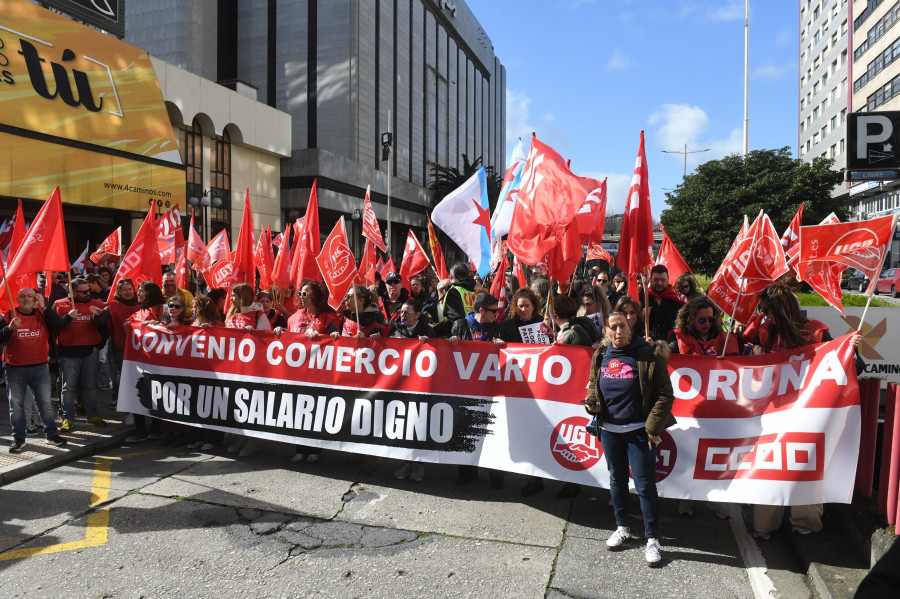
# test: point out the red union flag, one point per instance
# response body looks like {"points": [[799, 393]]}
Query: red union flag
{"points": [[112, 245], [636, 242], [196, 249], [596, 252], [591, 217], [728, 289], [766, 259], [219, 275], [860, 245], [371, 230], [337, 264], [671, 258], [790, 241], [141, 262], [414, 260], [549, 197], [218, 249]]}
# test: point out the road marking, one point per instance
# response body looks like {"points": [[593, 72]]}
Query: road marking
{"points": [[754, 562], [97, 532]]}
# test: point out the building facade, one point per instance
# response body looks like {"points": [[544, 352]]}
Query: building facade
{"points": [[824, 100], [378, 91]]}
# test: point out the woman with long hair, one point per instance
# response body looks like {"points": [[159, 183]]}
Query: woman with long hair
{"points": [[630, 395], [687, 286], [784, 328], [244, 312], [175, 313], [628, 306], [523, 311], [205, 312]]}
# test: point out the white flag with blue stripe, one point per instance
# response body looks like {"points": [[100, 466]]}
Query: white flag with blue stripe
{"points": [[464, 215]]}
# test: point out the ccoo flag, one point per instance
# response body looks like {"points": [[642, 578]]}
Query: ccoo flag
{"points": [[464, 215]]}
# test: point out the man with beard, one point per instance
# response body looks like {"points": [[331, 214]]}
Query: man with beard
{"points": [[663, 305], [81, 332]]}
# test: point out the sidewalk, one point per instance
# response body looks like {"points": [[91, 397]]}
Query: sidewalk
{"points": [[84, 439]]}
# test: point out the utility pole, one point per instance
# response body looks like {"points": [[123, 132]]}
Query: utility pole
{"points": [[685, 151]]}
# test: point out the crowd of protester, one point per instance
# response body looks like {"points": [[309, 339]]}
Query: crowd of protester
{"points": [[66, 330]]}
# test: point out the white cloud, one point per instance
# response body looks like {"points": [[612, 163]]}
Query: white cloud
{"points": [[679, 124], [719, 148], [771, 71], [618, 60], [727, 11], [517, 117]]}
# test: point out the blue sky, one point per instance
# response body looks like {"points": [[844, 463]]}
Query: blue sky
{"points": [[588, 75]]}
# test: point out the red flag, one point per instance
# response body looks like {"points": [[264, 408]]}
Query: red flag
{"points": [[281, 270], [244, 267], [337, 264], [112, 245], [596, 252], [827, 282], [141, 262], [17, 234], [498, 286], [182, 279], [562, 259], [414, 260], [278, 240], [196, 249], [217, 250], [370, 229], [44, 246], [169, 222], [520, 272], [310, 244], [591, 217], [790, 241], [219, 275], [860, 245], [367, 263], [440, 266], [636, 242], [671, 258], [384, 268], [755, 259], [548, 199]]}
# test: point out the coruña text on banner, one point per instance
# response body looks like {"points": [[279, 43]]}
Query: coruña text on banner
{"points": [[780, 428]]}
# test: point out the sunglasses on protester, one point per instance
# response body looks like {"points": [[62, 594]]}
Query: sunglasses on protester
{"points": [[704, 320], [179, 306]]}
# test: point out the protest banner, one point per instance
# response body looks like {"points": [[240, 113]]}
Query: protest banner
{"points": [[780, 428]]}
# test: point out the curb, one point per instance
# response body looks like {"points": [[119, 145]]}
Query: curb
{"points": [[26, 468]]}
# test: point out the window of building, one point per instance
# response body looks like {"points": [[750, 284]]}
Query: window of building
{"points": [[834, 39], [843, 116], [817, 37], [816, 87], [833, 123], [824, 132], [832, 150], [190, 146], [842, 146], [816, 12], [815, 113], [220, 179], [815, 138]]}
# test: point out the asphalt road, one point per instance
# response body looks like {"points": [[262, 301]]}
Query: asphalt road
{"points": [[152, 521]]}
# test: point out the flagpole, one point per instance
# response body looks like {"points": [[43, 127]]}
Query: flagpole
{"points": [[644, 278], [9, 293], [731, 326], [863, 319]]}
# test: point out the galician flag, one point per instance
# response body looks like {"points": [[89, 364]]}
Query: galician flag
{"points": [[509, 192], [465, 217]]}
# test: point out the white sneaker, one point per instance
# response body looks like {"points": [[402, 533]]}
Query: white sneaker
{"points": [[618, 537], [417, 472], [313, 458], [652, 552], [402, 472]]}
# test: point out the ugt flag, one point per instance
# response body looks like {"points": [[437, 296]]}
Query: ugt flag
{"points": [[464, 215]]}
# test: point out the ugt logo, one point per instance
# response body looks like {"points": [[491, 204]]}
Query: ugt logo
{"points": [[67, 68]]}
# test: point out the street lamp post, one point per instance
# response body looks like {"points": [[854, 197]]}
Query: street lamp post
{"points": [[685, 151], [205, 203], [387, 141]]}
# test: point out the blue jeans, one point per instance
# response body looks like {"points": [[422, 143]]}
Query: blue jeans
{"points": [[620, 450], [83, 371], [18, 380]]}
